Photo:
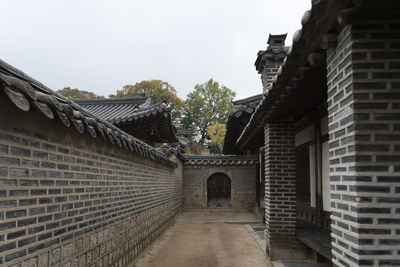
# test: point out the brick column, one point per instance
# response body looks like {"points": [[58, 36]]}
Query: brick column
{"points": [[364, 129], [280, 192]]}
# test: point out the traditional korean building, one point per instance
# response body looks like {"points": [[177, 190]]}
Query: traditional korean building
{"points": [[317, 153], [237, 120], [329, 119], [150, 123], [95, 182], [75, 189]]}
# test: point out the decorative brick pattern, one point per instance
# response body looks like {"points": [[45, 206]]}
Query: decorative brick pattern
{"points": [[71, 200], [280, 191], [364, 128]]}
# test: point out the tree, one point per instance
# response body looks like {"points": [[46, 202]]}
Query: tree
{"points": [[194, 148], [158, 91], [207, 104], [216, 132], [77, 94]]}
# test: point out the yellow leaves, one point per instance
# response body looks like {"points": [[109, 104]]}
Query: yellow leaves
{"points": [[217, 132], [207, 104]]}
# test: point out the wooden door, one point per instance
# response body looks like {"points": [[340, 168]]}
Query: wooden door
{"points": [[219, 186]]}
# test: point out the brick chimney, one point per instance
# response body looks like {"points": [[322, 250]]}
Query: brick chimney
{"points": [[269, 60]]}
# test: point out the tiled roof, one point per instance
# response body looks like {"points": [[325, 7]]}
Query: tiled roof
{"points": [[306, 54], [248, 100], [246, 108], [25, 92], [220, 160], [116, 110], [136, 101], [237, 121], [112, 109], [273, 50], [131, 111], [167, 149]]}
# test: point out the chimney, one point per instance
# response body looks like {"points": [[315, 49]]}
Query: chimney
{"points": [[269, 60]]}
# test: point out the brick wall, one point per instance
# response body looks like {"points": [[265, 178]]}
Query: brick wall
{"points": [[280, 192], [70, 200], [270, 69], [243, 185], [364, 102]]}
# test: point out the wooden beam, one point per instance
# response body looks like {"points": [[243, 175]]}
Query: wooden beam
{"points": [[328, 41], [315, 58], [343, 17]]}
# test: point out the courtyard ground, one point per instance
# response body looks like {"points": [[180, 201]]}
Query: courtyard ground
{"points": [[206, 238]]}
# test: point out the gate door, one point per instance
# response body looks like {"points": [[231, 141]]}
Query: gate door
{"points": [[218, 191]]}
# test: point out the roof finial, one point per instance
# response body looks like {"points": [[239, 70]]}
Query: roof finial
{"points": [[276, 39]]}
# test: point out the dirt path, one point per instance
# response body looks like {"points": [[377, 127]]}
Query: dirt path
{"points": [[206, 239]]}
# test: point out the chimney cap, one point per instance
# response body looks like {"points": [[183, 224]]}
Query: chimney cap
{"points": [[276, 39]]}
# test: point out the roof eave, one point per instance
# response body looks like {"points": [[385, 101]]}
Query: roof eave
{"points": [[24, 91], [305, 41]]}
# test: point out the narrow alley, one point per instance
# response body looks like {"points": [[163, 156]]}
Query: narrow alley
{"points": [[206, 239]]}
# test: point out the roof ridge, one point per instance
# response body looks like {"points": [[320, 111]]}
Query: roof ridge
{"points": [[253, 98], [108, 101]]}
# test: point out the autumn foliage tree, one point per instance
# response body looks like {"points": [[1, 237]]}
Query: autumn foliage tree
{"points": [[207, 104], [158, 91], [77, 94], [216, 132]]}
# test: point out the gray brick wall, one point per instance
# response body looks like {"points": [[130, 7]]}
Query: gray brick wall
{"points": [[364, 128], [280, 191], [71, 200], [243, 185], [271, 67]]}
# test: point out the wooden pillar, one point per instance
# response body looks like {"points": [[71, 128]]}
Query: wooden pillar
{"points": [[318, 173]]}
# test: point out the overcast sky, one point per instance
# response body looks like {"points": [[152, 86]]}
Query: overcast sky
{"points": [[100, 45]]}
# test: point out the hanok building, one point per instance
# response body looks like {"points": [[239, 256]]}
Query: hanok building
{"points": [[94, 183], [237, 121], [148, 122], [330, 118], [75, 189], [82, 186]]}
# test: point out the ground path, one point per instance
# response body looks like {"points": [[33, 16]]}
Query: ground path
{"points": [[212, 239]]}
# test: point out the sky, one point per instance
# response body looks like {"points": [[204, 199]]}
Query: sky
{"points": [[102, 45]]}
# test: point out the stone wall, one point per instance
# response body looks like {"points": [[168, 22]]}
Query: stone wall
{"points": [[72, 200], [364, 104], [243, 185]]}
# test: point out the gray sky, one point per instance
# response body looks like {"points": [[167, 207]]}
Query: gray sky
{"points": [[100, 46]]}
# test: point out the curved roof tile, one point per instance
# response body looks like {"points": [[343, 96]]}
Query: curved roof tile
{"points": [[26, 92], [220, 160]]}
